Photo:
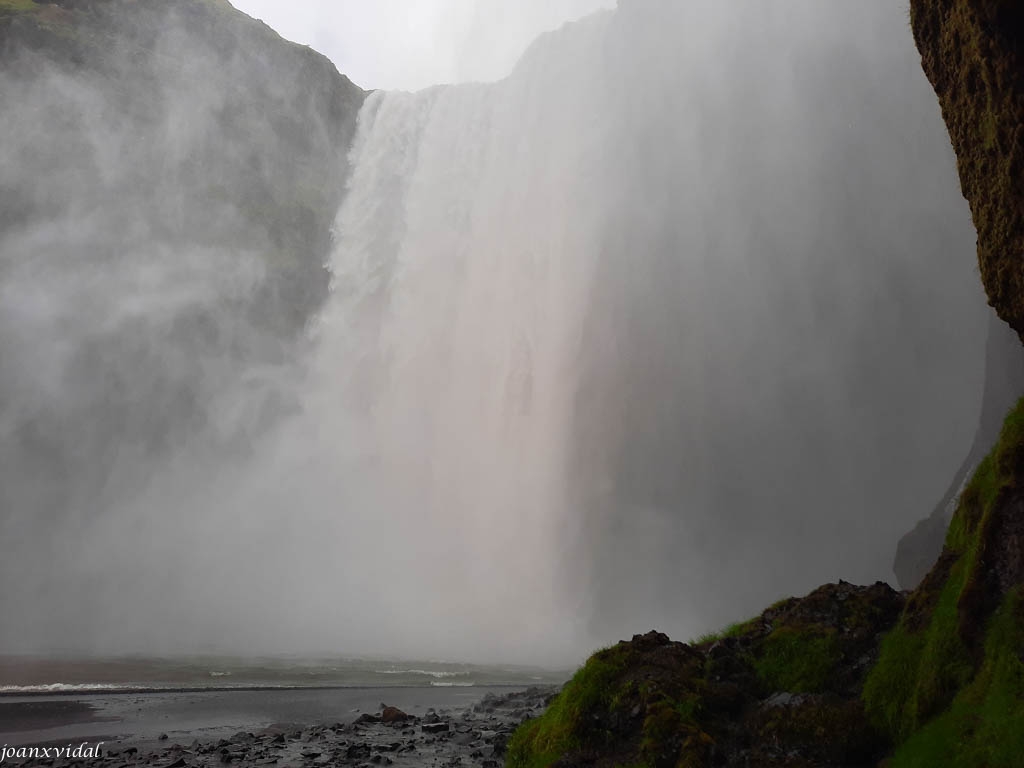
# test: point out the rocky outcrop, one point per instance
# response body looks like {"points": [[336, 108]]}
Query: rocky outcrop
{"points": [[918, 550], [781, 689], [843, 677], [973, 53]]}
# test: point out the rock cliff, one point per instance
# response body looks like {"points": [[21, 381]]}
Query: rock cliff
{"points": [[971, 51], [168, 184]]}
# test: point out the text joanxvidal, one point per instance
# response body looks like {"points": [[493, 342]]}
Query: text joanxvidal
{"points": [[83, 750]]}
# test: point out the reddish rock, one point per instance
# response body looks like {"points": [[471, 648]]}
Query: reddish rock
{"points": [[394, 715]]}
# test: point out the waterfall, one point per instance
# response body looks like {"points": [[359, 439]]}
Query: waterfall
{"points": [[645, 335], [450, 353], [590, 322]]}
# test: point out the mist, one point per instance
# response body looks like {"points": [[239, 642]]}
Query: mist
{"points": [[678, 318]]}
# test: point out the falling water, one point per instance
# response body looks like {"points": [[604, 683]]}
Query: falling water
{"points": [[646, 334]]}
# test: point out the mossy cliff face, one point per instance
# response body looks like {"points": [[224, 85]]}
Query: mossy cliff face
{"points": [[843, 677], [781, 689], [949, 684], [973, 53]]}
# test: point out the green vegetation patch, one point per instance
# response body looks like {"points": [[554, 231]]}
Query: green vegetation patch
{"points": [[12, 7], [538, 743], [984, 726], [736, 629], [798, 659], [636, 703], [938, 666], [918, 672]]}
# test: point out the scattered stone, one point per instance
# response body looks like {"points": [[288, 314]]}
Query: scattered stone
{"points": [[448, 738], [393, 715], [357, 751], [779, 699]]}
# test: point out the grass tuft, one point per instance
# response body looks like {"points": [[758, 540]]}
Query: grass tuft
{"points": [[540, 742], [984, 726], [798, 659]]}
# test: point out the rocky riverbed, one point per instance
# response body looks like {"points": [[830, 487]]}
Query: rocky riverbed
{"points": [[471, 737]]}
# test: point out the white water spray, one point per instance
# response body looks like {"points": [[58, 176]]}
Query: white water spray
{"points": [[618, 342]]}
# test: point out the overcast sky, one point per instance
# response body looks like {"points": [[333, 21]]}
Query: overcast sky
{"points": [[411, 44]]}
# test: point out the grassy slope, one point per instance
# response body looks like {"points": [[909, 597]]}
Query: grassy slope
{"points": [[950, 680], [947, 687]]}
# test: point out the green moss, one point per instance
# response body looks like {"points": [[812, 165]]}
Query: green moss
{"points": [[735, 629], [538, 743], [919, 671], [931, 658], [11, 7], [984, 726], [663, 721], [797, 659], [635, 702], [836, 727]]}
